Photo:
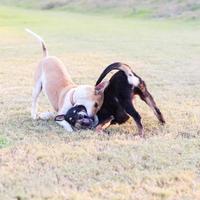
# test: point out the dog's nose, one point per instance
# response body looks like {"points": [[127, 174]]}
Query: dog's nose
{"points": [[87, 122], [82, 116], [92, 118]]}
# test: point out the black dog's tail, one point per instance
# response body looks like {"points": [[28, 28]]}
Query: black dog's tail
{"points": [[132, 77]]}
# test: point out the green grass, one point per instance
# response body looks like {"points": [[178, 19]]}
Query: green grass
{"points": [[3, 142], [187, 9], [40, 160]]}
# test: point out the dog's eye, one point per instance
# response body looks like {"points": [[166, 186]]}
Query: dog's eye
{"points": [[130, 74], [96, 105]]}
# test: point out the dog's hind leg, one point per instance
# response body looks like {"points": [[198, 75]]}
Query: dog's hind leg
{"points": [[148, 99], [136, 116], [36, 91]]}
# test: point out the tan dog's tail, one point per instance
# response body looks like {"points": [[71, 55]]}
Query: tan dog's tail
{"points": [[45, 52]]}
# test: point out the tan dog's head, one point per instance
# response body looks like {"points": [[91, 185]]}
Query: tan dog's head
{"points": [[90, 96]]}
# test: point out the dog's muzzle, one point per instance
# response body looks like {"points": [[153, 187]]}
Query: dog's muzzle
{"points": [[85, 120]]}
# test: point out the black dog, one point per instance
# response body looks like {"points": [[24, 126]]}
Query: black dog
{"points": [[118, 97], [77, 116]]}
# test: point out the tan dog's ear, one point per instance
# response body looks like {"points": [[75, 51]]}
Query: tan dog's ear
{"points": [[99, 89]]}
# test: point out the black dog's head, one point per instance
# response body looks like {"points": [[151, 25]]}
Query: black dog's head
{"points": [[77, 117]]}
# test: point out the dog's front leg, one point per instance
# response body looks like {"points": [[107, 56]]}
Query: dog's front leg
{"points": [[104, 124], [64, 123], [35, 94], [46, 115], [136, 116]]}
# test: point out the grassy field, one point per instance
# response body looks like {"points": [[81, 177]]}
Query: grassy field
{"points": [[184, 9], [39, 160]]}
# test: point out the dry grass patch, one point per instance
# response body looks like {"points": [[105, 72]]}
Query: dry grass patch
{"points": [[39, 160]]}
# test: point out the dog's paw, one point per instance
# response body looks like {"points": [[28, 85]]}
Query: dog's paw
{"points": [[99, 130], [65, 125], [33, 116], [68, 128], [46, 115], [141, 133]]}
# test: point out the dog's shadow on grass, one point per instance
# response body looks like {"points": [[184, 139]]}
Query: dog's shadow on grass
{"points": [[22, 124], [25, 124]]}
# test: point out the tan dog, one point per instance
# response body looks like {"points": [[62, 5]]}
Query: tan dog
{"points": [[52, 76]]}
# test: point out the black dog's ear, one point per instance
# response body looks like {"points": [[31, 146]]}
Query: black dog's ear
{"points": [[59, 118]]}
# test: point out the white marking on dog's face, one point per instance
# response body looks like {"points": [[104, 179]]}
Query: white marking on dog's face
{"points": [[133, 80], [82, 113], [85, 95]]}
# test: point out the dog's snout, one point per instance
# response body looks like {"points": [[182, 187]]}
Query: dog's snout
{"points": [[81, 116], [85, 116], [92, 118], [87, 122]]}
